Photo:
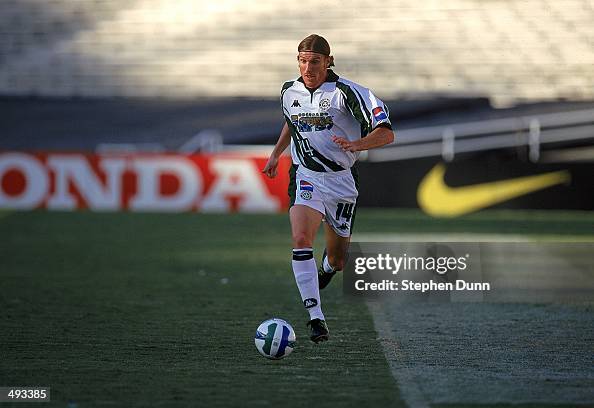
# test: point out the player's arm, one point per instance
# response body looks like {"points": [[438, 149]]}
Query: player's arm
{"points": [[283, 142], [379, 137]]}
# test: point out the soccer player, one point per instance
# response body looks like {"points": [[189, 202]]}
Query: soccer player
{"points": [[329, 120]]}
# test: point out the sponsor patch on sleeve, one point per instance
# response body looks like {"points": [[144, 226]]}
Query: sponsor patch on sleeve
{"points": [[379, 114]]}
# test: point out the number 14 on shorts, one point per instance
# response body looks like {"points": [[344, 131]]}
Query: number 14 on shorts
{"points": [[344, 210]]}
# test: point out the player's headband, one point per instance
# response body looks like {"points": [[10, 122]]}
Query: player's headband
{"points": [[315, 43]]}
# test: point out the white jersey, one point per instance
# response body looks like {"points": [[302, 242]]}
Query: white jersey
{"points": [[338, 107]]}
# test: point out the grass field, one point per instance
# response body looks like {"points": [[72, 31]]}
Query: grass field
{"points": [[160, 310]]}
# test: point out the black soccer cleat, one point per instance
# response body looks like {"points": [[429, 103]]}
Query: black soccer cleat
{"points": [[318, 330], [324, 277]]}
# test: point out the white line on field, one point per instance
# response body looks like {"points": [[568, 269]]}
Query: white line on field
{"points": [[466, 237], [409, 389]]}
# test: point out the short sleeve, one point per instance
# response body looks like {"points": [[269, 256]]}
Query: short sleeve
{"points": [[379, 113], [365, 107]]}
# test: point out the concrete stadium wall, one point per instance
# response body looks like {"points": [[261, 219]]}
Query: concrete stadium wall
{"points": [[508, 50]]}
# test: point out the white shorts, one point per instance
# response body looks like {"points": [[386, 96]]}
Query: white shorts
{"points": [[331, 193]]}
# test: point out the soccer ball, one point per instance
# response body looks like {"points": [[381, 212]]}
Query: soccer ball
{"points": [[275, 339]]}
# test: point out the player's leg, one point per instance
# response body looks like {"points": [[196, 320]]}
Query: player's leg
{"points": [[306, 214], [334, 257], [336, 249], [340, 207], [305, 222]]}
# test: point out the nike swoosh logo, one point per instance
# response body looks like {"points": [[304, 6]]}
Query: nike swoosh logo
{"points": [[438, 199]]}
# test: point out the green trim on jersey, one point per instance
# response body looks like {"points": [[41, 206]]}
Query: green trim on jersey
{"points": [[365, 109], [356, 108], [292, 184], [286, 86], [332, 165], [355, 173]]}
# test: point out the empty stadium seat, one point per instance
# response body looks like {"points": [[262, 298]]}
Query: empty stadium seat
{"points": [[513, 50]]}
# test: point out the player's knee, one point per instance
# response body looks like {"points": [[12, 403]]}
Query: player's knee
{"points": [[302, 240]]}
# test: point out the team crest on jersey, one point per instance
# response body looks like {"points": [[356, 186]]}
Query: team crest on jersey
{"points": [[312, 121], [325, 104], [379, 114]]}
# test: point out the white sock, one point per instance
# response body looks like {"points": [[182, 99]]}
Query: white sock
{"points": [[306, 276], [327, 267]]}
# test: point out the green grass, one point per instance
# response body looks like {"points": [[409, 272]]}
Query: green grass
{"points": [[130, 309], [557, 223], [133, 309]]}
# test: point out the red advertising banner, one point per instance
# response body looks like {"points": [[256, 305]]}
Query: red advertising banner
{"points": [[141, 182]]}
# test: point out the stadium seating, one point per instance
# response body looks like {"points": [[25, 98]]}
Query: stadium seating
{"points": [[512, 50]]}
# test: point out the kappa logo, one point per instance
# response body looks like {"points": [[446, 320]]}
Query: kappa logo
{"points": [[309, 303], [344, 226], [296, 104], [436, 198]]}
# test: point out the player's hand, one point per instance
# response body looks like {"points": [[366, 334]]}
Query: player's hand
{"points": [[271, 167], [344, 144]]}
